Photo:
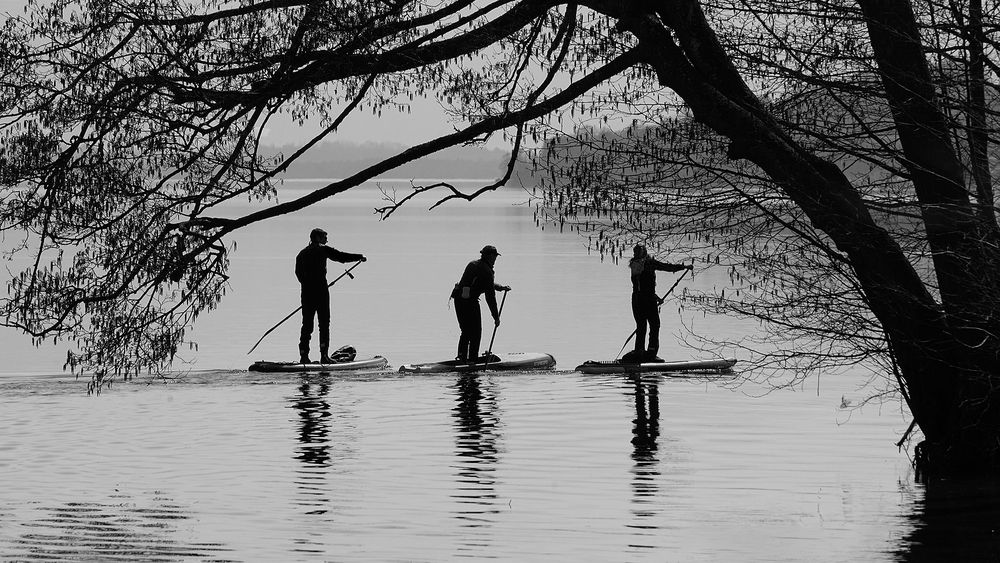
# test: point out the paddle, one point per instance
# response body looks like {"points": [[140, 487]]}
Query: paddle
{"points": [[347, 273], [662, 299], [489, 351]]}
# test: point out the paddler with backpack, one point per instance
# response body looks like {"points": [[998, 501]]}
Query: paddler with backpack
{"points": [[477, 279]]}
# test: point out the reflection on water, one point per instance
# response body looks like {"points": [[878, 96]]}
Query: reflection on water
{"points": [[313, 454], [645, 469], [519, 467], [314, 429], [476, 436], [122, 531], [956, 520], [313, 450]]}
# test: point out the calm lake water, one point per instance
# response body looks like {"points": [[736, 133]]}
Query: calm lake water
{"points": [[219, 464]]}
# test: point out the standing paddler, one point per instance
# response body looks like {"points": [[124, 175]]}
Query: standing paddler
{"points": [[646, 304], [310, 269], [477, 279]]}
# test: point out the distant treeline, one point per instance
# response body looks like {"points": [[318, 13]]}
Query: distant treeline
{"points": [[341, 159]]}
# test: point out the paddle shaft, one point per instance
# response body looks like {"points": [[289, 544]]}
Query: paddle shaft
{"points": [[662, 299], [347, 273], [496, 326]]}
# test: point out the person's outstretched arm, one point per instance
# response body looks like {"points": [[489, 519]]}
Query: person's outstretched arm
{"points": [[669, 267], [338, 256]]}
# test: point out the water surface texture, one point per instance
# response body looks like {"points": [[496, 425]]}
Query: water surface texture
{"points": [[382, 467], [219, 464]]}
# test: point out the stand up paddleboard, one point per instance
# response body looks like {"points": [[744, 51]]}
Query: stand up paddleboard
{"points": [[376, 362], [688, 366], [510, 361]]}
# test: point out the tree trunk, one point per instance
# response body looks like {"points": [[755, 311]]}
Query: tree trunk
{"points": [[965, 261], [946, 352], [976, 112]]}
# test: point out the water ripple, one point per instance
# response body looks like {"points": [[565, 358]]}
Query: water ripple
{"points": [[120, 532], [530, 466]]}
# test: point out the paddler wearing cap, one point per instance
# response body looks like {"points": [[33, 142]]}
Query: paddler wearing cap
{"points": [[310, 269], [477, 279]]}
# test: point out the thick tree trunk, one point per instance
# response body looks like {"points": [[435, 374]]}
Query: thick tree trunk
{"points": [[947, 352], [976, 120], [966, 267], [962, 241]]}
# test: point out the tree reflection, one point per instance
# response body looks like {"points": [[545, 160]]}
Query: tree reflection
{"points": [[957, 520], [476, 439], [645, 434]]}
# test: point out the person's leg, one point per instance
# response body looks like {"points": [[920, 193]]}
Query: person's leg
{"points": [[462, 313], [653, 316], [308, 312], [323, 319], [639, 314], [475, 329]]}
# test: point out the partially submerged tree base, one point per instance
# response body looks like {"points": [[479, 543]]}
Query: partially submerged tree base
{"points": [[942, 459]]}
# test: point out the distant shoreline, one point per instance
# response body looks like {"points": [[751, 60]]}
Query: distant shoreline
{"points": [[334, 160], [450, 180]]}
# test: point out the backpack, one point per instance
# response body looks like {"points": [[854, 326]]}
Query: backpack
{"points": [[344, 354]]}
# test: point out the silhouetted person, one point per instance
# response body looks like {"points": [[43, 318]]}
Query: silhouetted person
{"points": [[310, 269], [476, 280], [645, 302]]}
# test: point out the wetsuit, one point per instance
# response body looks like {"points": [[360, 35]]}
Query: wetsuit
{"points": [[476, 280], [645, 303], [310, 269]]}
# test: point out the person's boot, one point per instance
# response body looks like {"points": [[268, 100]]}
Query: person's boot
{"points": [[304, 355], [324, 356]]}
